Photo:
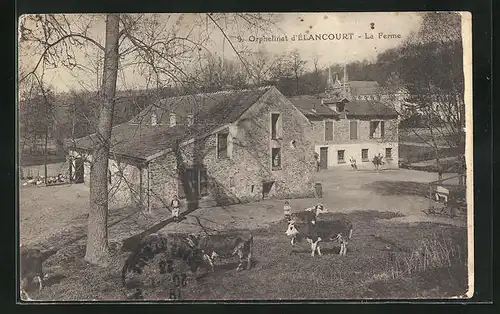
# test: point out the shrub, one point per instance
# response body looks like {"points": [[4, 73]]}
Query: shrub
{"points": [[427, 253]]}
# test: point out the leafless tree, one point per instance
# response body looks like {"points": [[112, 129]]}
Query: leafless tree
{"points": [[297, 65], [218, 73], [158, 47], [429, 68]]}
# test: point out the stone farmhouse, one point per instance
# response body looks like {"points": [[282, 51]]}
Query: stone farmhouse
{"points": [[212, 148], [351, 121]]}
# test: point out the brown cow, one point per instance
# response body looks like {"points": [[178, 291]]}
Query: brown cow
{"points": [[31, 270], [225, 244]]}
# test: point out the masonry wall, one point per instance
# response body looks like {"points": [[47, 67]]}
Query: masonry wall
{"points": [[253, 150], [341, 131], [124, 188], [353, 148], [355, 151], [163, 181]]}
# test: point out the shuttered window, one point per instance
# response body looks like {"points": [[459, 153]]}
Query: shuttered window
{"points": [[276, 158], [340, 156], [377, 129], [364, 154], [328, 130], [276, 126], [388, 153], [222, 145]]}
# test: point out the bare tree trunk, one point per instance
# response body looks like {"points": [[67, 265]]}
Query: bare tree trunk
{"points": [[45, 152], [97, 251]]}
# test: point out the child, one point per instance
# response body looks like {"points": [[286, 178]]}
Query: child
{"points": [[175, 208], [353, 163], [288, 210]]}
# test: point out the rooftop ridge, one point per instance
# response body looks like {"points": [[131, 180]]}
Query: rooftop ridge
{"points": [[225, 91]]}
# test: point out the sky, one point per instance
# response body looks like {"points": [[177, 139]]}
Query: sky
{"points": [[338, 38]]}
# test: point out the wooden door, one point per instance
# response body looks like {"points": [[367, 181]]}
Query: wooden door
{"points": [[323, 158], [193, 179], [266, 188]]}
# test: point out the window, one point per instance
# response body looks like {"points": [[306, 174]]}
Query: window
{"points": [[222, 151], [328, 130], [172, 119], [194, 181], [154, 119], [353, 130], [340, 156], [377, 129], [276, 158], [364, 154], [109, 176], [275, 126], [388, 153], [203, 182]]}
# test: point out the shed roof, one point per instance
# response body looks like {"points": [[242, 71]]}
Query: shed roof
{"points": [[369, 108]]}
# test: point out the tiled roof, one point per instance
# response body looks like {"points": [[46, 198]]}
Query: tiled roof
{"points": [[139, 139], [369, 108], [311, 106]]}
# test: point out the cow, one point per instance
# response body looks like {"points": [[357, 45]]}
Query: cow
{"points": [[223, 245], [308, 215], [442, 192], [31, 270], [326, 231], [170, 247]]}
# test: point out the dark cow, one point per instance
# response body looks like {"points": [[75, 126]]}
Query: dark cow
{"points": [[31, 269], [326, 231], [309, 215], [171, 247], [224, 245]]}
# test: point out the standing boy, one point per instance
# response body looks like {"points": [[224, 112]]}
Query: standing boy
{"points": [[175, 208], [287, 210]]}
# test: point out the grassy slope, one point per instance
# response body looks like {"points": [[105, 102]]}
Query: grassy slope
{"points": [[285, 272]]}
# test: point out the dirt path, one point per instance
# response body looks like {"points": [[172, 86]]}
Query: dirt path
{"points": [[54, 216]]}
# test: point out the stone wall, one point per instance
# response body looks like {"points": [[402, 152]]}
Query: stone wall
{"points": [[341, 132], [239, 177], [341, 141], [125, 185]]}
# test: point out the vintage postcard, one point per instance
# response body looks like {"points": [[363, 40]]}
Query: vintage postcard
{"points": [[245, 156]]}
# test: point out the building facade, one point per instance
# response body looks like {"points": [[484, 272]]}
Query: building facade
{"points": [[351, 123], [219, 148]]}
